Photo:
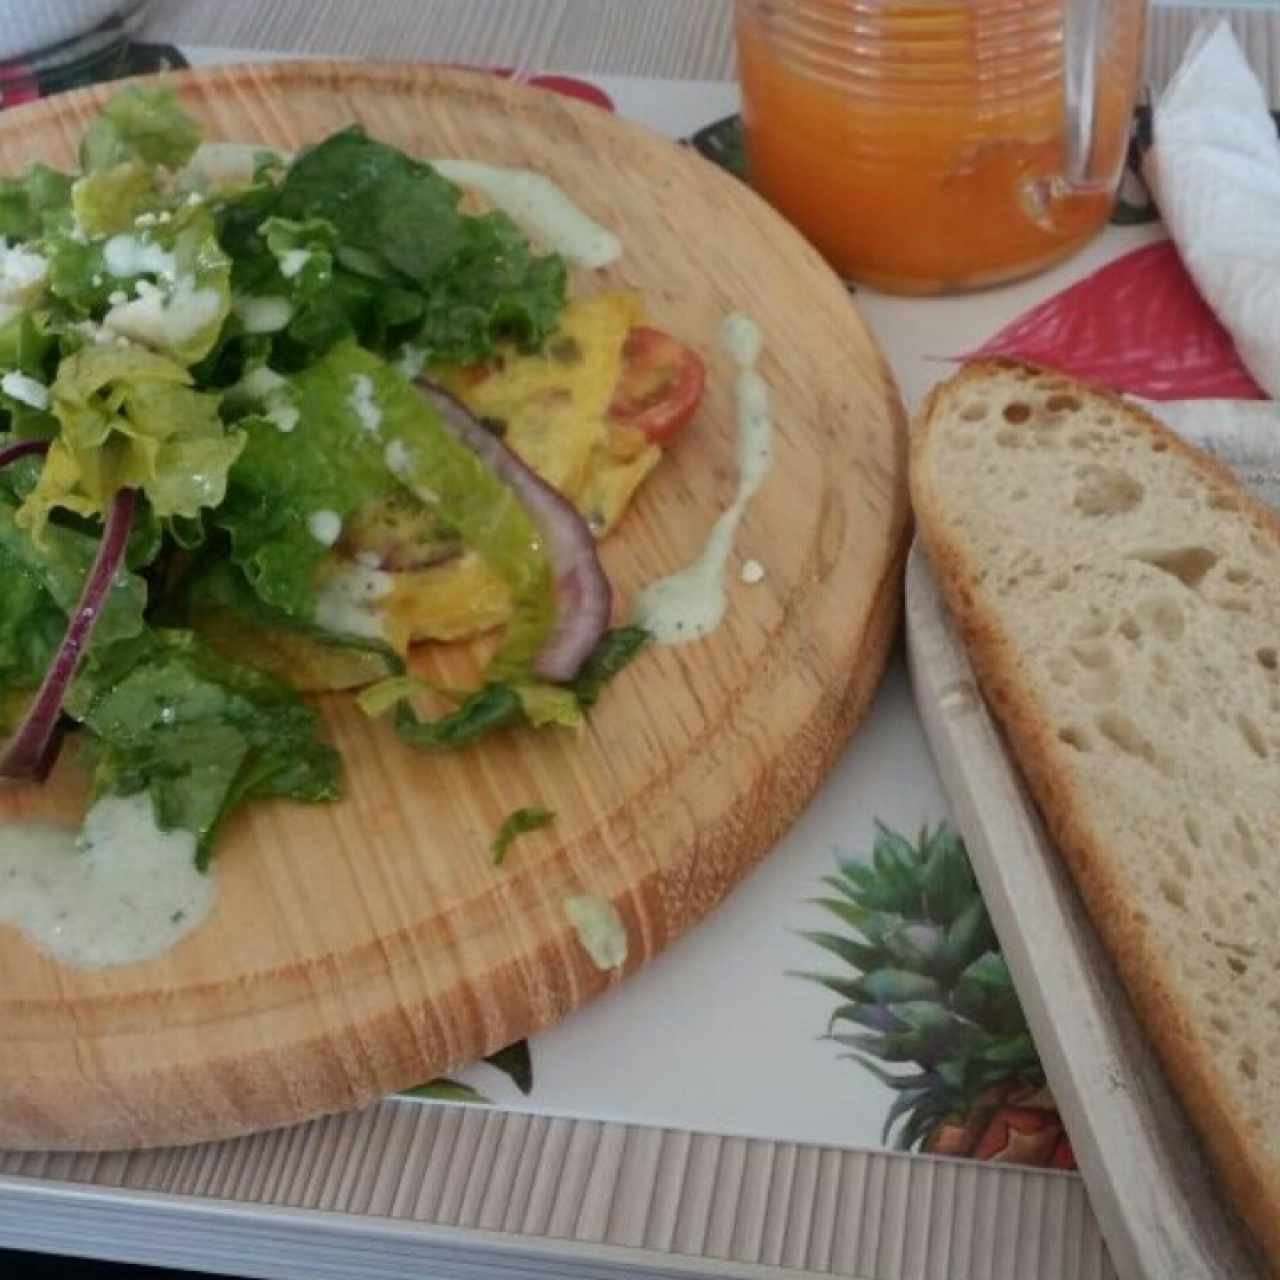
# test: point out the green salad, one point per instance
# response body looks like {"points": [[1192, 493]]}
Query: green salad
{"points": [[200, 382]]}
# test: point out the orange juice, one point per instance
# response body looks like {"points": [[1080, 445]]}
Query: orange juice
{"points": [[920, 146]]}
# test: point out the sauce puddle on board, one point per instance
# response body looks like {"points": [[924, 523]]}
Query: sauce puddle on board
{"points": [[116, 892], [690, 604]]}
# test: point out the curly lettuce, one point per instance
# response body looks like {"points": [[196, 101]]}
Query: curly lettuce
{"points": [[129, 418]]}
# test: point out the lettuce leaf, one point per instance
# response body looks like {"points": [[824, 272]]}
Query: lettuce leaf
{"points": [[499, 706], [399, 213], [495, 289], [27, 349], [516, 824], [26, 202], [336, 460], [325, 463], [412, 267], [176, 267], [219, 605], [130, 419], [41, 587], [108, 201], [139, 124], [201, 734], [303, 251]]}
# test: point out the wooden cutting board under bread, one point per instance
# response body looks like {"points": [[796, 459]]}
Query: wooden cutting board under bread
{"points": [[1118, 593], [364, 947]]}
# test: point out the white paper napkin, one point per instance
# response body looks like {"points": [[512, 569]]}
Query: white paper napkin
{"points": [[1214, 170]]}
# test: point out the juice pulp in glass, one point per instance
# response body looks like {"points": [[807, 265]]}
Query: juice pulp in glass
{"points": [[919, 146]]}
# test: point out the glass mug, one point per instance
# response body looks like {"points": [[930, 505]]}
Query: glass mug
{"points": [[931, 146]]}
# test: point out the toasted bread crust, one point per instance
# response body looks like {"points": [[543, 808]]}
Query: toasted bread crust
{"points": [[1249, 1173]]}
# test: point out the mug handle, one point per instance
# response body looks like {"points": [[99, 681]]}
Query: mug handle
{"points": [[1102, 40]]}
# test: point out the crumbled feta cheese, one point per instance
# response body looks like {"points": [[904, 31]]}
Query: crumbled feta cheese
{"points": [[223, 164], [146, 220], [325, 526], [165, 322], [369, 559], [364, 405], [117, 297], [20, 386], [397, 458], [94, 332], [128, 255], [283, 416], [261, 382], [195, 198], [97, 279], [271, 391], [292, 261], [22, 273], [752, 571], [411, 361], [263, 315], [346, 601]]}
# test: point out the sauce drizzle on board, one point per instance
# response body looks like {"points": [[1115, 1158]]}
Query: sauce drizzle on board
{"points": [[690, 604]]}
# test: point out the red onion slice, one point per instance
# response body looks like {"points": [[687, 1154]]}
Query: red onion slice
{"points": [[583, 595], [30, 752], [12, 452]]}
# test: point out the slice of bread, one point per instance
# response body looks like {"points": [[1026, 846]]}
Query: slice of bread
{"points": [[1119, 594]]}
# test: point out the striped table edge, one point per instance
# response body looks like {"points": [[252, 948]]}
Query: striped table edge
{"points": [[677, 39], [656, 1200]]}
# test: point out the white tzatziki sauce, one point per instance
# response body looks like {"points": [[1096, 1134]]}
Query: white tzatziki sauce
{"points": [[347, 601], [690, 604], [539, 206], [118, 891]]}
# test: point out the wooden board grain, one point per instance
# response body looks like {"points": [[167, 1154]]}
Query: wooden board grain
{"points": [[1146, 1172], [362, 947]]}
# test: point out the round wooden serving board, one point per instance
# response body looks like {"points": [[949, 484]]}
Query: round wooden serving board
{"points": [[366, 946]]}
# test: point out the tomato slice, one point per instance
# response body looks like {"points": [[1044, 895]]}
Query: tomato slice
{"points": [[660, 385]]}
